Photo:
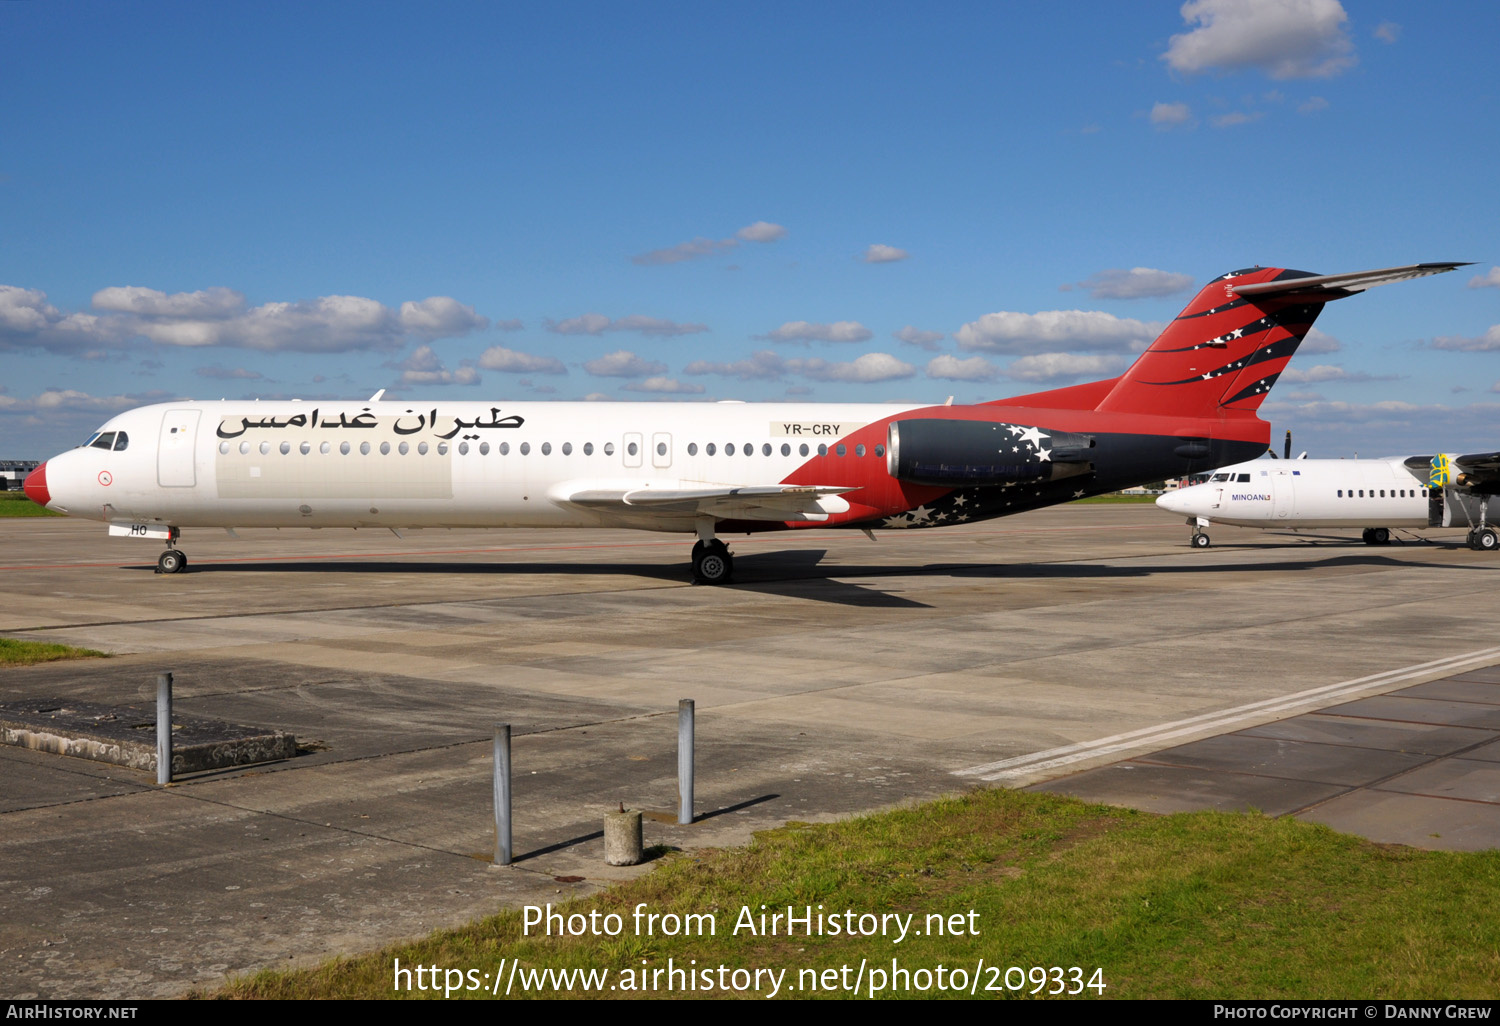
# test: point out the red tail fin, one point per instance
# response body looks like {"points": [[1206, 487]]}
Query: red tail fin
{"points": [[1223, 352]]}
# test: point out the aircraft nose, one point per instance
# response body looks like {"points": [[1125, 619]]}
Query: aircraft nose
{"points": [[1172, 502], [36, 486]]}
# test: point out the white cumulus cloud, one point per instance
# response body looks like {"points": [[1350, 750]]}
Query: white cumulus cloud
{"points": [[598, 324], [624, 364], [1007, 332], [927, 340], [761, 231], [806, 331], [664, 386], [1136, 283], [1488, 280], [510, 361], [1056, 366], [951, 368], [1486, 343], [1284, 38], [1171, 115], [440, 317], [764, 365], [880, 254], [867, 368]]}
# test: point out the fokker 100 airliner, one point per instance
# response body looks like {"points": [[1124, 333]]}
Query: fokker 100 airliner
{"points": [[1187, 404]]}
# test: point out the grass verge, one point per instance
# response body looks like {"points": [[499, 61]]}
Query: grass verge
{"points": [[16, 504], [24, 653], [1115, 499], [1200, 905]]}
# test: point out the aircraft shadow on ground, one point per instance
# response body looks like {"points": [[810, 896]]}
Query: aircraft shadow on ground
{"points": [[795, 573], [800, 573]]}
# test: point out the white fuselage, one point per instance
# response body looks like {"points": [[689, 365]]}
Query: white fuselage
{"points": [[394, 464], [1307, 493]]}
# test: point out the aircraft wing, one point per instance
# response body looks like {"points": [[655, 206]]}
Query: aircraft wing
{"points": [[1344, 284], [751, 502]]}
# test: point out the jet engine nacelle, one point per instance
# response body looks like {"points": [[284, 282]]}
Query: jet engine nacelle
{"points": [[957, 453]]}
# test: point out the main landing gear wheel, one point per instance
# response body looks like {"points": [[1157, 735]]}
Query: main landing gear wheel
{"points": [[1200, 541], [170, 562], [712, 563], [1377, 536], [1484, 540]]}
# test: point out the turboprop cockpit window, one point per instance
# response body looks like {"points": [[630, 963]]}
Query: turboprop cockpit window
{"points": [[1221, 477], [105, 441]]}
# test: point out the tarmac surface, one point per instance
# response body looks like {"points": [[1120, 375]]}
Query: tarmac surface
{"points": [[1086, 649]]}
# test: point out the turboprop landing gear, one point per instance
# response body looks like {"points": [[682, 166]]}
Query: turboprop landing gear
{"points": [[1484, 539], [1199, 540], [1377, 536], [712, 563], [172, 560]]}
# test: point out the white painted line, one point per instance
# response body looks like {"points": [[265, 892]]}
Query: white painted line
{"points": [[1155, 736]]}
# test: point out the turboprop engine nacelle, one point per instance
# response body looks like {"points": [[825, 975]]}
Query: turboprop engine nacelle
{"points": [[957, 453]]}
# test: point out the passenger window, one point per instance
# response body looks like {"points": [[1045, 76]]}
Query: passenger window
{"points": [[385, 448], [729, 449], [244, 448], [822, 449], [880, 450], [709, 448], [546, 448], [525, 448], [403, 448], [306, 447], [661, 448], [286, 448], [1341, 493], [503, 448], [364, 448], [765, 450], [802, 449], [325, 448], [632, 448], [692, 448], [343, 448], [749, 448], [422, 448], [442, 448], [588, 448], [265, 447], [609, 448], [567, 448], [859, 450], [786, 449], [484, 448], [223, 448], [463, 448], [841, 450]]}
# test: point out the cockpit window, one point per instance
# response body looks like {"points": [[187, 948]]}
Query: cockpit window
{"points": [[121, 441], [1242, 479], [105, 441], [1220, 477]]}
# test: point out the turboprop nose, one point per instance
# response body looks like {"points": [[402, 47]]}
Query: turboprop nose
{"points": [[36, 486], [1173, 502]]}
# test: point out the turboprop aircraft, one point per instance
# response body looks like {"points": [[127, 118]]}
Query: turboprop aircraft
{"points": [[1446, 490], [1187, 404]]}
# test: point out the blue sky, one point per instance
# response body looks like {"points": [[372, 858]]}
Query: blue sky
{"points": [[831, 202]]}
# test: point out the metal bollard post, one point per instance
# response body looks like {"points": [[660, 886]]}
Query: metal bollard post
{"points": [[502, 794], [685, 761], [163, 728]]}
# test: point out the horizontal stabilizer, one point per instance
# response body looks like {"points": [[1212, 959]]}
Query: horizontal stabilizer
{"points": [[1354, 281]]}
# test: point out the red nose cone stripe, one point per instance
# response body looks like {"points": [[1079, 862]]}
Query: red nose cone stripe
{"points": [[36, 486]]}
